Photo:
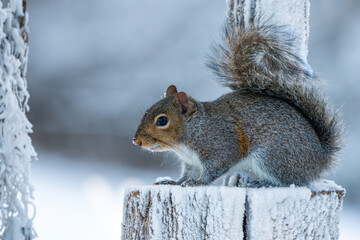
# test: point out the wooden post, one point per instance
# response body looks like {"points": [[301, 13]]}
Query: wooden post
{"points": [[173, 212], [294, 213]]}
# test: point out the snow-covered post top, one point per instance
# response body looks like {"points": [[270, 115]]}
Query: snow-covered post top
{"points": [[174, 212], [16, 150]]}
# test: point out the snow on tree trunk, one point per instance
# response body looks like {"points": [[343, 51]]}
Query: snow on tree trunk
{"points": [[173, 212], [16, 150]]}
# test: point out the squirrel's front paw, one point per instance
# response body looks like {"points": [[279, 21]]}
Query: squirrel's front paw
{"points": [[192, 183], [165, 182]]}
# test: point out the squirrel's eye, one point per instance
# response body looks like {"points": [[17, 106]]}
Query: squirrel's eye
{"points": [[162, 121]]}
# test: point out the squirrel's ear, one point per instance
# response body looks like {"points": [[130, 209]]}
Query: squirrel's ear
{"points": [[171, 90], [186, 106]]}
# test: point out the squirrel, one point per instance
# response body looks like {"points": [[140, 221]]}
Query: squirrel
{"points": [[275, 126]]}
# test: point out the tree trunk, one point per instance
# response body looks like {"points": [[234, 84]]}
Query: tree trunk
{"points": [[16, 150]]}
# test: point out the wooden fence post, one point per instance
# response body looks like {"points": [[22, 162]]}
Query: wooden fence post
{"points": [[173, 212], [219, 212]]}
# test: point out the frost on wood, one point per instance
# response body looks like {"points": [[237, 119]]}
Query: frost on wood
{"points": [[173, 212], [295, 212], [16, 150], [293, 15]]}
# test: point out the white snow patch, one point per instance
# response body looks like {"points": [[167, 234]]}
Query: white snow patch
{"points": [[325, 185], [161, 179]]}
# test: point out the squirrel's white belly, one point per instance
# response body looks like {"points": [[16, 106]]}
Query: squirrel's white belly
{"points": [[251, 165]]}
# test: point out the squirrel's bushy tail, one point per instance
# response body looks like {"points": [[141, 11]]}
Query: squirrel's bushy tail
{"points": [[263, 60]]}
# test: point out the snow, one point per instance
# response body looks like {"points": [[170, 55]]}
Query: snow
{"points": [[85, 197], [325, 185], [16, 150], [14, 229], [161, 179], [293, 213]]}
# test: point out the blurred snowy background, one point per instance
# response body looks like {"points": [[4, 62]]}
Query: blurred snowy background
{"points": [[96, 66]]}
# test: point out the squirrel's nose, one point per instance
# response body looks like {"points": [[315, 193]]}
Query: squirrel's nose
{"points": [[137, 141]]}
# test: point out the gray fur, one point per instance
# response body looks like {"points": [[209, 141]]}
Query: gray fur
{"points": [[291, 149]]}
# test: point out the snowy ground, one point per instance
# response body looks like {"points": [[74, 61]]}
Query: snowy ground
{"points": [[79, 200]]}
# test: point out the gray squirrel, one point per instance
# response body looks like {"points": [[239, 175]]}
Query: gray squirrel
{"points": [[275, 127]]}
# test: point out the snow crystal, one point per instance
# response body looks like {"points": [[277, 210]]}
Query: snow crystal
{"points": [[16, 150]]}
